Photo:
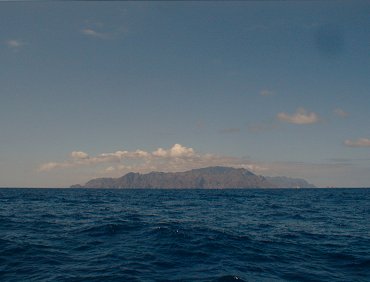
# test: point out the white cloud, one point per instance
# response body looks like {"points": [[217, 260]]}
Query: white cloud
{"points": [[93, 33], [300, 117], [177, 151], [160, 153], [361, 142], [79, 155], [180, 151], [340, 113], [102, 31], [14, 44], [140, 154], [54, 165]]}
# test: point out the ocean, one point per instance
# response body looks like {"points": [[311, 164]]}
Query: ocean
{"points": [[185, 235]]}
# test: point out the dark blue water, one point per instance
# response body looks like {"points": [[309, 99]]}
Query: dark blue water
{"points": [[184, 235]]}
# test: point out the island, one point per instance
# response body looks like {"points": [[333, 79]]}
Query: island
{"points": [[217, 177]]}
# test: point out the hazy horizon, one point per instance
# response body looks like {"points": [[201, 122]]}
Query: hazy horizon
{"points": [[100, 89]]}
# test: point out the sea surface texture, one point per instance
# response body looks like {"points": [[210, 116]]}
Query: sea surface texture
{"points": [[185, 235]]}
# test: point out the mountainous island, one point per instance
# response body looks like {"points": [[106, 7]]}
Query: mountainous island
{"points": [[204, 178]]}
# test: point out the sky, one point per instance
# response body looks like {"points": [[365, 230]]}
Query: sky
{"points": [[99, 89]]}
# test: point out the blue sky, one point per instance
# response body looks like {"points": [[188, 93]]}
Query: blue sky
{"points": [[92, 89]]}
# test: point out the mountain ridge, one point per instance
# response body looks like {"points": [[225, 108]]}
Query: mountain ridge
{"points": [[215, 177]]}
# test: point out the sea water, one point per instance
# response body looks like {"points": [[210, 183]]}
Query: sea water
{"points": [[185, 235]]}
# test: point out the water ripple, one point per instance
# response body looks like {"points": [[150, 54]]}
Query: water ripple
{"points": [[184, 235]]}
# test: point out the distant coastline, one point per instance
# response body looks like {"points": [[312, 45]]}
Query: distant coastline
{"points": [[81, 187], [216, 177]]}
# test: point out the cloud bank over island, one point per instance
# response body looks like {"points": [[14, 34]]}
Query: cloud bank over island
{"points": [[175, 158], [179, 158]]}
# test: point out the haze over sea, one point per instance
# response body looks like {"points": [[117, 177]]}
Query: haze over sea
{"points": [[184, 235]]}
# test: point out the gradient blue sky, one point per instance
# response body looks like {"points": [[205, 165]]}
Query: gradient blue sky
{"points": [[92, 89]]}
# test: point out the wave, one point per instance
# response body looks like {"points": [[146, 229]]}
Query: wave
{"points": [[140, 235]]}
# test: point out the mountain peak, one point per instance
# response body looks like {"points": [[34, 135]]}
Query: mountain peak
{"points": [[218, 177], [221, 170]]}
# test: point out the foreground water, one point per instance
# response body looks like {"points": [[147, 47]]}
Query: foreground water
{"points": [[184, 235]]}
